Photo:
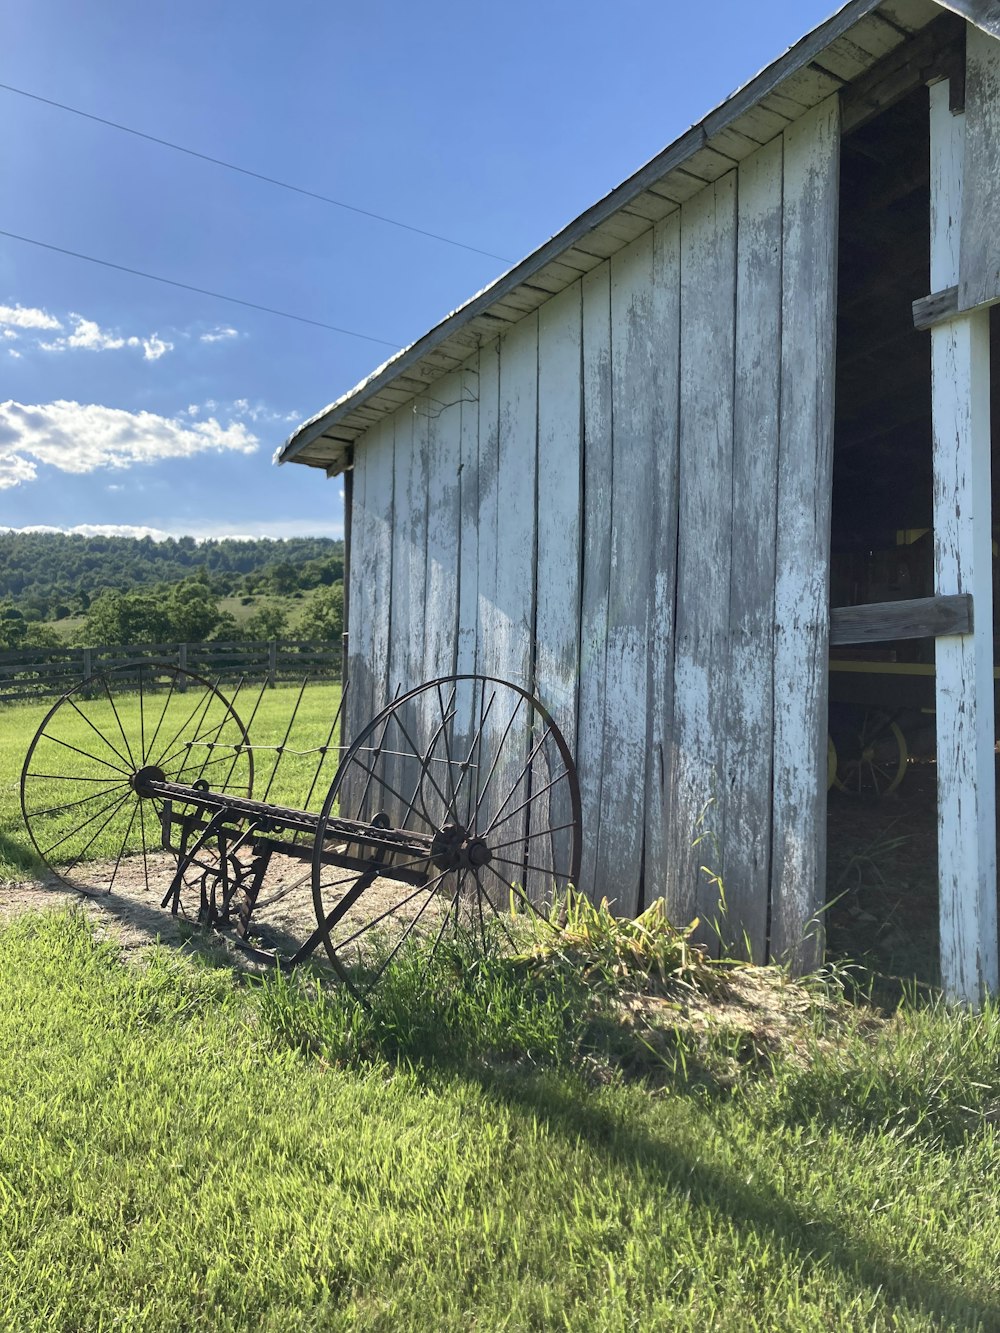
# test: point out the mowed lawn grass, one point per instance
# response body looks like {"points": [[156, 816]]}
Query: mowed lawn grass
{"points": [[270, 713], [488, 1148], [180, 1150]]}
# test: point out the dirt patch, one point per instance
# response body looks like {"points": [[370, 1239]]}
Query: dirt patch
{"points": [[127, 900]]}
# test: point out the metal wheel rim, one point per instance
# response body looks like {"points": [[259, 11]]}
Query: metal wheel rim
{"points": [[118, 755], [487, 902]]}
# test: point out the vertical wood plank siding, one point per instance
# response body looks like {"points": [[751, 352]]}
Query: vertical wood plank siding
{"points": [[625, 508], [802, 560]]}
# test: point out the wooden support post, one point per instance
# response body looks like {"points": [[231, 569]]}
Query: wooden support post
{"points": [[88, 663], [272, 663], [182, 662], [960, 374]]}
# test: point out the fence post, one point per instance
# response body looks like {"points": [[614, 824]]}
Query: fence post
{"points": [[272, 663], [182, 662], [88, 663]]}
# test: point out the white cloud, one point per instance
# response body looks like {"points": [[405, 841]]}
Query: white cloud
{"points": [[219, 335], [88, 335], [101, 530], [12, 351], [10, 333], [81, 437], [26, 317], [274, 529]]}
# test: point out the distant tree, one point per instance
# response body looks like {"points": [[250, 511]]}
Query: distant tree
{"points": [[192, 610], [13, 627], [323, 618], [267, 623], [125, 618]]}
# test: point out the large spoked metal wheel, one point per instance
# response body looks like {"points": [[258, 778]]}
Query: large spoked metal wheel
{"points": [[479, 782], [872, 758], [82, 777]]}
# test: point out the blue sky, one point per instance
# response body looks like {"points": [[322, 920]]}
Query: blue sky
{"points": [[126, 403]]}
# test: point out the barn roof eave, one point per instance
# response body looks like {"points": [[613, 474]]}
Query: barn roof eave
{"points": [[325, 439]]}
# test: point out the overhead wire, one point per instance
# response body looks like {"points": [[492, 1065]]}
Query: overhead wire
{"points": [[202, 291], [255, 175]]}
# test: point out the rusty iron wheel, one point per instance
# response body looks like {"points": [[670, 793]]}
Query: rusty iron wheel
{"points": [[81, 784], [475, 771]]}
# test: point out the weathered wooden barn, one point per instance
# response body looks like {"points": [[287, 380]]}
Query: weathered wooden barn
{"points": [[617, 474]]}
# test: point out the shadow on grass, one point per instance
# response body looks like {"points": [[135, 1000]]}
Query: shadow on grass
{"points": [[753, 1208]]}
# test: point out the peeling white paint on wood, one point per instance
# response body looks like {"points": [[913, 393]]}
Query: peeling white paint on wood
{"points": [[557, 609], [665, 391], [598, 466], [805, 467], [746, 852], [960, 379], [704, 547], [620, 844], [978, 273]]}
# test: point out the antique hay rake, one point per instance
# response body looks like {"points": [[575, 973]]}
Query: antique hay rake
{"points": [[456, 799]]}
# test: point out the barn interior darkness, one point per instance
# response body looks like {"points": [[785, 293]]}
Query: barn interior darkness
{"points": [[882, 774]]}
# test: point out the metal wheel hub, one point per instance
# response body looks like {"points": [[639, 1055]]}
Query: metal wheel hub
{"points": [[142, 777], [453, 849]]}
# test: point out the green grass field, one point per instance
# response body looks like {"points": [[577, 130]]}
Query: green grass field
{"points": [[180, 1151], [497, 1144]]}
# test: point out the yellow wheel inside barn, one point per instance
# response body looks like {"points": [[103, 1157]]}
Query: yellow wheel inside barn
{"points": [[873, 763]]}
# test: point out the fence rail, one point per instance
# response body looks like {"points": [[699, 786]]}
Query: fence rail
{"points": [[36, 672]]}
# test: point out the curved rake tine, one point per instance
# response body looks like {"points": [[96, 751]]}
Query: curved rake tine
{"points": [[284, 743], [323, 752], [377, 755]]}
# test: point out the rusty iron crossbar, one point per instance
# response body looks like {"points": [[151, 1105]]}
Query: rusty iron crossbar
{"points": [[269, 818]]}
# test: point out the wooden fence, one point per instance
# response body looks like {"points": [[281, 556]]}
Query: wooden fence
{"points": [[36, 672]]}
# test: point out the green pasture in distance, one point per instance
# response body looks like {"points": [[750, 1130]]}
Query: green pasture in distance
{"points": [[82, 763]]}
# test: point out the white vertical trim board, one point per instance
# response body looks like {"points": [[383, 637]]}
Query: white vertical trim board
{"points": [[802, 559], [963, 562]]}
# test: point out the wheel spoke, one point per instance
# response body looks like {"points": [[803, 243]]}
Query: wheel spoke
{"points": [[107, 691], [69, 805], [93, 758], [98, 733], [80, 855], [121, 849], [118, 803], [533, 797]]}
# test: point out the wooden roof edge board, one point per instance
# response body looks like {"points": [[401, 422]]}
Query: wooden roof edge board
{"points": [[984, 13]]}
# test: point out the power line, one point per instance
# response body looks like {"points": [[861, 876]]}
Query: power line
{"points": [[256, 175], [202, 291]]}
